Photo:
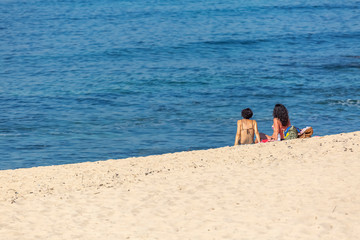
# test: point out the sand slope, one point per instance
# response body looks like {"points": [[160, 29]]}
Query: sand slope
{"points": [[297, 189]]}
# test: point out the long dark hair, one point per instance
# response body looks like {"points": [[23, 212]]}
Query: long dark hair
{"points": [[281, 113]]}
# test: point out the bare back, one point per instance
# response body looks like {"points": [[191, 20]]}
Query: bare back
{"points": [[246, 129]]}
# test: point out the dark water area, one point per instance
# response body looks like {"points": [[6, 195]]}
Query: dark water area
{"points": [[94, 80]]}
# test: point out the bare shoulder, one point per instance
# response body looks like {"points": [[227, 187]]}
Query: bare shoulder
{"points": [[277, 121]]}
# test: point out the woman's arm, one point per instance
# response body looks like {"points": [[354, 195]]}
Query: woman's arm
{"points": [[276, 129], [238, 133], [257, 132]]}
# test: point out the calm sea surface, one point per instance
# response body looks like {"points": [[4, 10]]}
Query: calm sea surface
{"points": [[94, 80]]}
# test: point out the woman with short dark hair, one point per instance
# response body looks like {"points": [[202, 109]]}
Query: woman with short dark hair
{"points": [[246, 129]]}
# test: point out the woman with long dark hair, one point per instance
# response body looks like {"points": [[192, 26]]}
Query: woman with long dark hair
{"points": [[281, 122]]}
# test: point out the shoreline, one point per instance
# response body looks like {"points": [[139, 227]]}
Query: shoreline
{"points": [[295, 189]]}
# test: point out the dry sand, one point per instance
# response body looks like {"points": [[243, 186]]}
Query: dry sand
{"points": [[297, 189]]}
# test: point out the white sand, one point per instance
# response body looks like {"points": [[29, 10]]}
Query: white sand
{"points": [[297, 189]]}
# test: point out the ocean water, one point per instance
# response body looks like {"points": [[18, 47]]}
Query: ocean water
{"points": [[94, 80]]}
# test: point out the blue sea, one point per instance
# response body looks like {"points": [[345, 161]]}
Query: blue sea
{"points": [[96, 80]]}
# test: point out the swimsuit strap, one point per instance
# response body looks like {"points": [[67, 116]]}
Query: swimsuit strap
{"points": [[247, 129]]}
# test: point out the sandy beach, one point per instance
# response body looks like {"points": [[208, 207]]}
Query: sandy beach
{"points": [[296, 189]]}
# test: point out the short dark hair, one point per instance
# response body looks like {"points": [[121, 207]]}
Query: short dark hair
{"points": [[246, 113]]}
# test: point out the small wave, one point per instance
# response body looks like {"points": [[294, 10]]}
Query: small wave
{"points": [[32, 147], [352, 56], [236, 42], [348, 102], [120, 52], [316, 7], [7, 134], [334, 66], [347, 35], [338, 66]]}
